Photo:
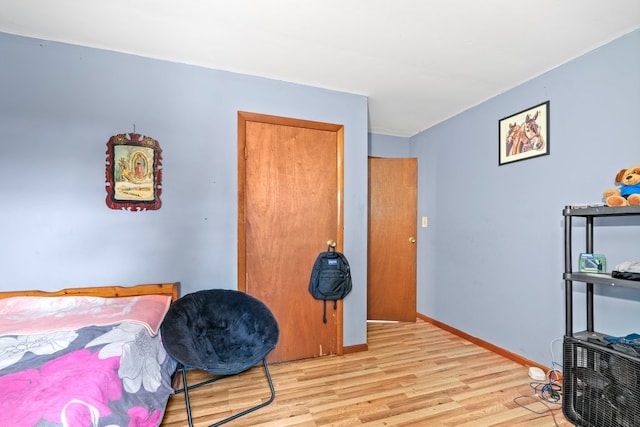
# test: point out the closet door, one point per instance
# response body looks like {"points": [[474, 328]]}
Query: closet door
{"points": [[392, 246]]}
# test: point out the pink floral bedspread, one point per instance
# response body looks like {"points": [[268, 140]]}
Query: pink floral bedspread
{"points": [[27, 315], [116, 374]]}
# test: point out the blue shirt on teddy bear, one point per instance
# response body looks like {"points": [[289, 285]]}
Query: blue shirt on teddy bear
{"points": [[627, 190]]}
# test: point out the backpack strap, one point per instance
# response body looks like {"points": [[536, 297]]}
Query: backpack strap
{"points": [[324, 312]]}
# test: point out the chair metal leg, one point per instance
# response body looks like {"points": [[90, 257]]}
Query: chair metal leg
{"points": [[186, 395], [254, 408], [186, 389]]}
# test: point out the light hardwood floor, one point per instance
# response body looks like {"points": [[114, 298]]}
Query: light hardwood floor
{"points": [[413, 374]]}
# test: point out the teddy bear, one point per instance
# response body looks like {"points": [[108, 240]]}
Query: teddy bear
{"points": [[628, 194]]}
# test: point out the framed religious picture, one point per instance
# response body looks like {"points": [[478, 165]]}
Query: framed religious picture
{"points": [[134, 172], [524, 135]]}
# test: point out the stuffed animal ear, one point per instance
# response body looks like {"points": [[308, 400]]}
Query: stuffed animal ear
{"points": [[620, 175]]}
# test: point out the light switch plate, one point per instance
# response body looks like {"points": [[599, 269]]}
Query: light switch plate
{"points": [[425, 222]]}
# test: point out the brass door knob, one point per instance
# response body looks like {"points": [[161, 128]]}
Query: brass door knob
{"points": [[412, 239], [331, 243]]}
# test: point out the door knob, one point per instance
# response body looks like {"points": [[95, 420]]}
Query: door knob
{"points": [[412, 239], [331, 243]]}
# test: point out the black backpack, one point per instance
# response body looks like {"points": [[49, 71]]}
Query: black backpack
{"points": [[330, 278]]}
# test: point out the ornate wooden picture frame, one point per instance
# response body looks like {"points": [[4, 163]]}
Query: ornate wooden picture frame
{"points": [[133, 172]]}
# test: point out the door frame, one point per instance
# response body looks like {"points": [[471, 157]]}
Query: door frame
{"points": [[243, 118]]}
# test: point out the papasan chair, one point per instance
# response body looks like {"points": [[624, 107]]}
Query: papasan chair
{"points": [[220, 331]]}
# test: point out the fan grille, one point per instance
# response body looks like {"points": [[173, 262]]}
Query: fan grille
{"points": [[600, 384]]}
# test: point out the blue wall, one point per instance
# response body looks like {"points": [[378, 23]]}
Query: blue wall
{"points": [[60, 104], [389, 146], [491, 260]]}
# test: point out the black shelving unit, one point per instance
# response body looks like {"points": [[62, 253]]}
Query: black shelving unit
{"points": [[601, 381]]}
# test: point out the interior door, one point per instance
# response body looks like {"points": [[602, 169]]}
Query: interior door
{"points": [[290, 206], [391, 271]]}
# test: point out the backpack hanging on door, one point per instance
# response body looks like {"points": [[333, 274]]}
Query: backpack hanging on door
{"points": [[330, 278]]}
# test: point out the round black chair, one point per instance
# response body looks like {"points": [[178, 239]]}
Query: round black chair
{"points": [[220, 331]]}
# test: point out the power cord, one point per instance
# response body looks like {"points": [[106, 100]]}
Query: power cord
{"points": [[549, 392], [555, 366], [550, 409]]}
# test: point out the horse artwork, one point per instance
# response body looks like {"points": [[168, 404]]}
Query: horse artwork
{"points": [[524, 137], [524, 134]]}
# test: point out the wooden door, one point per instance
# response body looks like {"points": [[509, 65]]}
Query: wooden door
{"points": [[290, 206], [391, 272]]}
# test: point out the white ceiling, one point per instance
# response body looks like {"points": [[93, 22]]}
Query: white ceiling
{"points": [[419, 62]]}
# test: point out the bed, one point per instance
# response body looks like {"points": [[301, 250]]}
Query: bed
{"points": [[85, 356]]}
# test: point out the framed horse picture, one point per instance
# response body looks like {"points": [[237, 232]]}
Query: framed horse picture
{"points": [[524, 135]]}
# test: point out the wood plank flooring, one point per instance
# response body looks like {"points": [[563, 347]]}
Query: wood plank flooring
{"points": [[414, 374]]}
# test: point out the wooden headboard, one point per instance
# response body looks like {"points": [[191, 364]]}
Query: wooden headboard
{"points": [[170, 289]]}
